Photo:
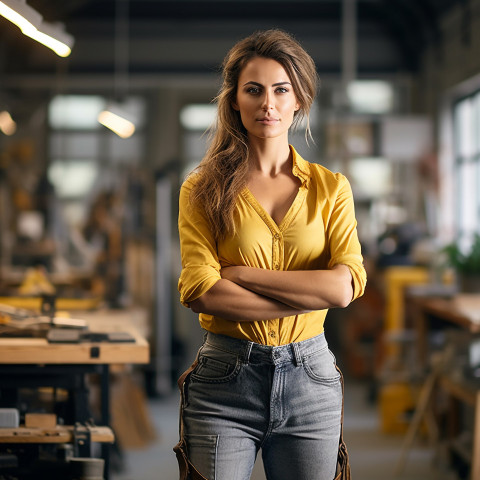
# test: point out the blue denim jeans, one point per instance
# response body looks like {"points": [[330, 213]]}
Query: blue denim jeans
{"points": [[243, 397]]}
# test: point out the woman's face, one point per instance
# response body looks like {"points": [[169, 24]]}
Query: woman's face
{"points": [[265, 99]]}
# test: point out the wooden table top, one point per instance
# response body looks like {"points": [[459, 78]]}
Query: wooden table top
{"points": [[58, 434], [448, 309], [28, 351]]}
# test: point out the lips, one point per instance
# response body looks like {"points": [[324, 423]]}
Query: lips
{"points": [[268, 121]]}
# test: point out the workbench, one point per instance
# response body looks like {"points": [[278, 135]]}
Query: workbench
{"points": [[434, 313], [36, 363]]}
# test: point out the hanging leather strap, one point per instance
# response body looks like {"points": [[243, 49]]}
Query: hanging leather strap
{"points": [[343, 463], [187, 470], [181, 386]]}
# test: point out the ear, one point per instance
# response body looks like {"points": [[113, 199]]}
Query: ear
{"points": [[235, 106], [297, 107]]}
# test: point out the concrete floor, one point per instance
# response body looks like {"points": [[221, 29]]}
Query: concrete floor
{"points": [[373, 455]]}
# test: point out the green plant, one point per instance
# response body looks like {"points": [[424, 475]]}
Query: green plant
{"points": [[464, 263]]}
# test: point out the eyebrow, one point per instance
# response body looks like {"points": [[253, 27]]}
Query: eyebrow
{"points": [[273, 85]]}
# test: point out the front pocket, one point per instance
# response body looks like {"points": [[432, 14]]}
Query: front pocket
{"points": [[320, 366], [215, 365]]}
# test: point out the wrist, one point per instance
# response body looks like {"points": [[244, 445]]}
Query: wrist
{"points": [[241, 275]]}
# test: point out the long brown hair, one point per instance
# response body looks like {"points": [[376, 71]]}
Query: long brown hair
{"points": [[222, 174]]}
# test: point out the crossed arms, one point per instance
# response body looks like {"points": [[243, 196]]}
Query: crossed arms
{"points": [[247, 294]]}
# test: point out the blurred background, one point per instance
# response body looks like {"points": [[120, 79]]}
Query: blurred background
{"points": [[88, 210]]}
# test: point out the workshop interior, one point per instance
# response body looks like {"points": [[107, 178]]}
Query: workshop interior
{"points": [[106, 107]]}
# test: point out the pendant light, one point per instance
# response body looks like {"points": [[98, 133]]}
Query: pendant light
{"points": [[115, 115]]}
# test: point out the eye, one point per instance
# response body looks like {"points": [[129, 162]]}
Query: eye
{"points": [[281, 90], [253, 90]]}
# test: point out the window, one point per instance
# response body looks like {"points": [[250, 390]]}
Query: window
{"points": [[371, 96], [86, 157], [466, 125], [195, 120], [198, 117]]}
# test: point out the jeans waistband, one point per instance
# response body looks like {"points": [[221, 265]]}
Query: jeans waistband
{"points": [[254, 352]]}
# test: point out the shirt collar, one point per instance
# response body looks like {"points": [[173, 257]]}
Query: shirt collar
{"points": [[300, 168]]}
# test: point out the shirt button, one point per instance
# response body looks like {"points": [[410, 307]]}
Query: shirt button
{"points": [[277, 266], [277, 236], [272, 334]]}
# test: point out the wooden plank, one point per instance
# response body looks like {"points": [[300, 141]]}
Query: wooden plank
{"points": [[446, 309], [130, 417], [60, 434], [40, 420]]}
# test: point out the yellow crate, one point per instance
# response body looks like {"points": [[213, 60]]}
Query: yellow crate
{"points": [[397, 403]]}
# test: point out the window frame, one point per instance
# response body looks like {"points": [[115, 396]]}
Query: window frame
{"points": [[461, 161]]}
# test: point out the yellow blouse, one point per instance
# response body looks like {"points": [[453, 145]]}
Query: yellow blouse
{"points": [[318, 232]]}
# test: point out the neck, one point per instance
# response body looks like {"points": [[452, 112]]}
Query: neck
{"points": [[269, 156]]}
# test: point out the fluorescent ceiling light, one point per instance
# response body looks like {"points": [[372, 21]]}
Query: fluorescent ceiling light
{"points": [[19, 13], [52, 36], [114, 118], [30, 23], [7, 125]]}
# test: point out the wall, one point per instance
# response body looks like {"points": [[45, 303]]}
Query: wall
{"points": [[453, 59]]}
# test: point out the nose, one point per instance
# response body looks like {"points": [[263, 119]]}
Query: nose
{"points": [[268, 102]]}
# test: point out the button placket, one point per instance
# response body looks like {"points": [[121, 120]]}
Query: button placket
{"points": [[273, 337], [277, 251], [272, 332]]}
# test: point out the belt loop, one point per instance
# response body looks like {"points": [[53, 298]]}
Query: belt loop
{"points": [[248, 351], [297, 354]]}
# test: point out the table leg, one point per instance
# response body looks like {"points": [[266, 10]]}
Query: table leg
{"points": [[421, 328], [476, 440], [105, 412]]}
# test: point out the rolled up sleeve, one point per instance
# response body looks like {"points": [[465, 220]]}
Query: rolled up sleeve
{"points": [[200, 265], [342, 237]]}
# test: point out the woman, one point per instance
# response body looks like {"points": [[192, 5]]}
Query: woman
{"points": [[268, 244]]}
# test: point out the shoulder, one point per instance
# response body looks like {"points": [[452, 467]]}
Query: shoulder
{"points": [[318, 174], [323, 172], [185, 191], [190, 181], [328, 180], [189, 184]]}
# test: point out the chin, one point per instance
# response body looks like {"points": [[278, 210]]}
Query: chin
{"points": [[266, 134]]}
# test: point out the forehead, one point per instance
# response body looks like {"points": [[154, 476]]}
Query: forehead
{"points": [[266, 69]]}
